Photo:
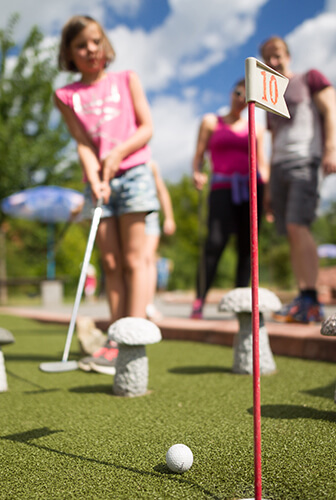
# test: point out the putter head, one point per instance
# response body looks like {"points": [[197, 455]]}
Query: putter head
{"points": [[58, 366]]}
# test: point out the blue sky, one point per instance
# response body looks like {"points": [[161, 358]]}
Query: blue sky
{"points": [[189, 53]]}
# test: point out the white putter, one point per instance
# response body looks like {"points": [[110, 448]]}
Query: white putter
{"points": [[65, 365]]}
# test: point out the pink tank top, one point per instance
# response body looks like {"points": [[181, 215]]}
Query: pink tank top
{"points": [[229, 155], [105, 110], [229, 149]]}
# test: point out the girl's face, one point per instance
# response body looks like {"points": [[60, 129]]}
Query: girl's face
{"points": [[86, 50]]}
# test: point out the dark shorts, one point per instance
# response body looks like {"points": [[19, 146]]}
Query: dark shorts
{"points": [[294, 194], [133, 191]]}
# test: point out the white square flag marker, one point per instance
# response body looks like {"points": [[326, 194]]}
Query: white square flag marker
{"points": [[265, 87]]}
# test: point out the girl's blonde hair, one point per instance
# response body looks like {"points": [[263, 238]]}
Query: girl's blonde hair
{"points": [[71, 29]]}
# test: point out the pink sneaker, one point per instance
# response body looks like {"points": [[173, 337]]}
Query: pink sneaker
{"points": [[197, 308], [105, 358]]}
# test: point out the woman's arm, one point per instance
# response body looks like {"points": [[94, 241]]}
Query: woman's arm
{"points": [[264, 169], [207, 126], [263, 164]]}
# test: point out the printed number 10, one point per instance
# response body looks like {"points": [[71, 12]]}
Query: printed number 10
{"points": [[272, 88]]}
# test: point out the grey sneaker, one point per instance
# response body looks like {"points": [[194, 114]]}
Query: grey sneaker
{"points": [[105, 367], [102, 361]]}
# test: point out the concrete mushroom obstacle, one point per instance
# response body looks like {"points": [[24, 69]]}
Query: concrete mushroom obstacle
{"points": [[132, 335], [328, 328], [5, 338], [239, 301]]}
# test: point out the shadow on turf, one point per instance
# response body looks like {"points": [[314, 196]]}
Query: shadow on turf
{"points": [[199, 370], [90, 389], [27, 436], [34, 357], [39, 388], [295, 411], [326, 391]]}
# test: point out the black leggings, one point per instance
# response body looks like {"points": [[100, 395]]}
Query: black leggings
{"points": [[224, 219]]}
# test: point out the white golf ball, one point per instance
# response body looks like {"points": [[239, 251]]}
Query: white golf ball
{"points": [[179, 458]]}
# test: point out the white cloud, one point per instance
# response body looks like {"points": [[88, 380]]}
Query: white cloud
{"points": [[313, 44], [175, 133], [330, 5], [190, 41], [50, 16]]}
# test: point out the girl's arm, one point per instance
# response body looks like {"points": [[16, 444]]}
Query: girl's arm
{"points": [[207, 126], [169, 225], [86, 151], [141, 136]]}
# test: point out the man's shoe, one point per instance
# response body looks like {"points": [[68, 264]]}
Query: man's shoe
{"points": [[284, 314], [309, 312], [300, 310]]}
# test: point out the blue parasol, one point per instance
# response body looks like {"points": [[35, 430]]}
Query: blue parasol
{"points": [[328, 250], [47, 204]]}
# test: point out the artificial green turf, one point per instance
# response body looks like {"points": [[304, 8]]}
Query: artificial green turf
{"points": [[65, 436]]}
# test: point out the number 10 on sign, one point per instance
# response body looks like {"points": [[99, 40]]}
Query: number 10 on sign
{"points": [[265, 87]]}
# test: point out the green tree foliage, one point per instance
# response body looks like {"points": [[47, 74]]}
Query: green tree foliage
{"points": [[274, 258], [183, 247], [33, 150], [324, 230], [324, 227], [32, 137]]}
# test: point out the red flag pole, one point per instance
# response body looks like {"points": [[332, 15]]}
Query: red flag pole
{"points": [[255, 304]]}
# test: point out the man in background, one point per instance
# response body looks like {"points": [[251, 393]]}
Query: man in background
{"points": [[299, 146]]}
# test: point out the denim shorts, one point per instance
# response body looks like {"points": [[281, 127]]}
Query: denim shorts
{"points": [[294, 194], [132, 191], [152, 224]]}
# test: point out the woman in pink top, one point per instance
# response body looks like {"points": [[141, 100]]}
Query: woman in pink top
{"points": [[225, 140], [109, 117]]}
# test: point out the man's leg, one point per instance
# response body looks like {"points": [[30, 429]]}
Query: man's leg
{"points": [[305, 308], [303, 256]]}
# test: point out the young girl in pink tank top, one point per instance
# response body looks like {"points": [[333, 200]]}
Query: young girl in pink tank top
{"points": [[108, 115]]}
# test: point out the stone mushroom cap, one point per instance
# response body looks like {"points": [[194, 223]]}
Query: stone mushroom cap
{"points": [[6, 337], [134, 331], [240, 300], [329, 326]]}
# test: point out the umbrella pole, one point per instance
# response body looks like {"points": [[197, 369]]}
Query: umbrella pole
{"points": [[50, 252]]}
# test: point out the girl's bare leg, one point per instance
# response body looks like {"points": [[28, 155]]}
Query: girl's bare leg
{"points": [[152, 243], [133, 237], [109, 244]]}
